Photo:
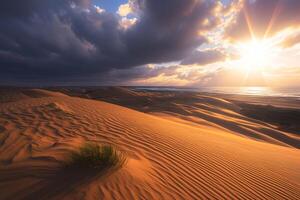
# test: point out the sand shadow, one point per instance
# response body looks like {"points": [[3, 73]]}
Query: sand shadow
{"points": [[60, 182]]}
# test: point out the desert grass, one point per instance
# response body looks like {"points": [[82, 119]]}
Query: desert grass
{"points": [[95, 156]]}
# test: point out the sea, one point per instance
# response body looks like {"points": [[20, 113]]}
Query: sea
{"points": [[258, 91]]}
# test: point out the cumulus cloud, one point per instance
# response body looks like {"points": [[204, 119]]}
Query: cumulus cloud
{"points": [[126, 23], [124, 9], [264, 18], [72, 39]]}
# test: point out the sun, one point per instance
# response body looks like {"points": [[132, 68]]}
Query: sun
{"points": [[255, 54]]}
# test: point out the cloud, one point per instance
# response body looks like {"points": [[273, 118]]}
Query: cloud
{"points": [[51, 41], [204, 57], [167, 75], [99, 9], [291, 41], [124, 9], [264, 18], [126, 23]]}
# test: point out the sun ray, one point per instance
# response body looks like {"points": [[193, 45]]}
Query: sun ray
{"points": [[249, 24], [275, 14], [257, 52]]}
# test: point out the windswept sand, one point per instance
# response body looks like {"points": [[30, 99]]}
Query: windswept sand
{"points": [[167, 158], [270, 119]]}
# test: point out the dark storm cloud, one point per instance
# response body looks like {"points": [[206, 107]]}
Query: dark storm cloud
{"points": [[137, 73], [204, 57], [265, 17], [68, 39]]}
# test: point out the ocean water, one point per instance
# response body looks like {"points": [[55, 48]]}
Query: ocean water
{"points": [[259, 91]]}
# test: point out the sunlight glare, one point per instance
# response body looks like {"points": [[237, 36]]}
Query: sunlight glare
{"points": [[255, 54]]}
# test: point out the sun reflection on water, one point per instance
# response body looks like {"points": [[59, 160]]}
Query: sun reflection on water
{"points": [[255, 90]]}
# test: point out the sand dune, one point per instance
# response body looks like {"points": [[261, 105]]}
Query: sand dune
{"points": [[246, 117], [167, 159], [11, 94]]}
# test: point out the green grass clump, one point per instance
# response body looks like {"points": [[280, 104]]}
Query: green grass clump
{"points": [[95, 156]]}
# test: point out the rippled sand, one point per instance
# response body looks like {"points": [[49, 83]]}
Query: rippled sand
{"points": [[168, 157]]}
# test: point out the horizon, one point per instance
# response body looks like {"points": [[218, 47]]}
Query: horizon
{"points": [[285, 92]]}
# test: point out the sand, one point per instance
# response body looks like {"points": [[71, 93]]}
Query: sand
{"points": [[169, 157], [270, 119]]}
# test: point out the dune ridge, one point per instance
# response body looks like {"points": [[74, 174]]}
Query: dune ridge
{"points": [[166, 159]]}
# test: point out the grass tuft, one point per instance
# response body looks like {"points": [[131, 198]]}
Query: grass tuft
{"points": [[95, 156]]}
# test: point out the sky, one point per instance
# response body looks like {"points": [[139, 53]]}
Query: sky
{"points": [[109, 5], [192, 43]]}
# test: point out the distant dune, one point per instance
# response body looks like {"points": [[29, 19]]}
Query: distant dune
{"points": [[267, 119], [179, 146]]}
